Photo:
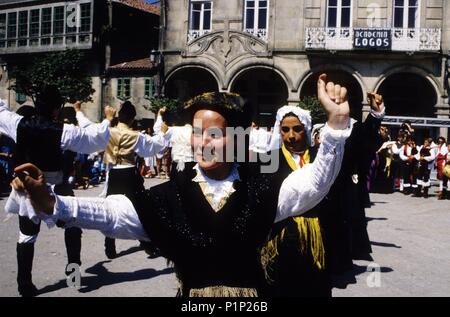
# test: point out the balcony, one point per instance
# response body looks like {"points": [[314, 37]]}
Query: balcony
{"points": [[259, 33], [82, 40], [195, 34], [403, 40]]}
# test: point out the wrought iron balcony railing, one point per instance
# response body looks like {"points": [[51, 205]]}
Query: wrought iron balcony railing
{"points": [[194, 34], [259, 33]]}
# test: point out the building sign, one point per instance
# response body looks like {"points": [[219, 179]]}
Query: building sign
{"points": [[370, 39]]}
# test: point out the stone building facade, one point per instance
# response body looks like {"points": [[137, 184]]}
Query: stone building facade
{"points": [[110, 32], [272, 51]]}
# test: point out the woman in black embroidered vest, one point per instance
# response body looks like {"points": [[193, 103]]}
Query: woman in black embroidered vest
{"points": [[210, 220]]}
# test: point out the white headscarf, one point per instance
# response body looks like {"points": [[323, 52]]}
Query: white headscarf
{"points": [[303, 115]]}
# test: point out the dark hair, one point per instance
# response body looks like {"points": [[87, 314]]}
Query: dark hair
{"points": [[48, 100], [290, 114], [442, 138], [26, 111], [231, 106], [127, 112], [68, 115]]}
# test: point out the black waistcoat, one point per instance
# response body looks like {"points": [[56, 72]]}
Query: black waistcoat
{"points": [[39, 142], [209, 248]]}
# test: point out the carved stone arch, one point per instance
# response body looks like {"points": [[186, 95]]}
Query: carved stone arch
{"points": [[197, 64], [264, 87], [250, 64], [407, 68], [342, 74], [409, 91], [332, 67], [189, 80]]}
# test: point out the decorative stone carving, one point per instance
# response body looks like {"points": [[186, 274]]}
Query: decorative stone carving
{"points": [[226, 46]]}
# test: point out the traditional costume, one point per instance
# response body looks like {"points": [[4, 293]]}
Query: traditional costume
{"points": [[298, 255], [179, 141], [441, 152], [120, 155], [41, 141], [294, 257], [212, 230], [425, 158], [409, 168]]}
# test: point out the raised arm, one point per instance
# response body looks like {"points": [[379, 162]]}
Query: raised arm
{"points": [[147, 146], [8, 121], [92, 138], [83, 121], [306, 187]]}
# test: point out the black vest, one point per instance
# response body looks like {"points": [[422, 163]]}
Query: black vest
{"points": [[39, 143], [209, 248]]}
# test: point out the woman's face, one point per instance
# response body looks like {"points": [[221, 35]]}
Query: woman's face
{"points": [[209, 139], [293, 134], [384, 133]]}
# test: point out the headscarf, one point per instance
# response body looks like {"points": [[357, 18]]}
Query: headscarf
{"points": [[303, 115]]}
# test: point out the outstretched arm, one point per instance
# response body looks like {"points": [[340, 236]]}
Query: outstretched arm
{"points": [[114, 216], [306, 187], [91, 138]]}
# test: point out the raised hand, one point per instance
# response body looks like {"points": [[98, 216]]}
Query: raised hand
{"points": [[77, 106], [30, 180], [333, 98], [376, 102], [110, 113], [162, 110]]}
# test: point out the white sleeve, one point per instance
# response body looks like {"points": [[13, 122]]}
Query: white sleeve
{"points": [[306, 187], [83, 121], [8, 121], [431, 157], [403, 157], [158, 124], [114, 216], [395, 149], [147, 146], [378, 115], [85, 140]]}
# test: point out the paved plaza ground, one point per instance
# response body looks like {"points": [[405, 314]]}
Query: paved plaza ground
{"points": [[410, 239]]}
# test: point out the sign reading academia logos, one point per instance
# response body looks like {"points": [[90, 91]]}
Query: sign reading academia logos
{"points": [[372, 39]]}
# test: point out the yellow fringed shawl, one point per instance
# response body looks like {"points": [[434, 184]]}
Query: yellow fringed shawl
{"points": [[308, 226]]}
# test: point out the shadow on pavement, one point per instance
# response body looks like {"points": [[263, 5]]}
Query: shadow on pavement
{"points": [[349, 277], [129, 251], [102, 277], [372, 219], [384, 244]]}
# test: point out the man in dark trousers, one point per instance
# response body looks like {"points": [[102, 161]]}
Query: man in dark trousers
{"points": [[41, 139]]}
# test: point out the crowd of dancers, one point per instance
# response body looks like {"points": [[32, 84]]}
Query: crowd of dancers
{"points": [[228, 228]]}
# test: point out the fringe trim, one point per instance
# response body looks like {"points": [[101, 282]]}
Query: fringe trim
{"points": [[310, 243], [223, 291], [311, 237]]}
